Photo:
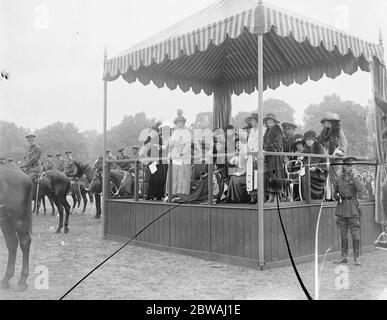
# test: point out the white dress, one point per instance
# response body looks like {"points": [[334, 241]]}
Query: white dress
{"points": [[252, 146], [180, 148]]}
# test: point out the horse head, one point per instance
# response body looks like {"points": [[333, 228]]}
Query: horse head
{"points": [[95, 184]]}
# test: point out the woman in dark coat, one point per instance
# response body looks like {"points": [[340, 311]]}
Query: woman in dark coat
{"points": [[273, 142], [156, 177], [318, 167]]}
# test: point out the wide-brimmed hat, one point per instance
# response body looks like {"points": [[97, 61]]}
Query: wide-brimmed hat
{"points": [[332, 117], [120, 150], [30, 136], [68, 152], [179, 117], [10, 159], [49, 155], [135, 148], [310, 135], [58, 154], [287, 125], [323, 120], [253, 116], [272, 117]]}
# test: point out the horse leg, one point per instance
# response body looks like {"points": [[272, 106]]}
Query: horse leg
{"points": [[91, 197], [84, 197], [25, 244], [44, 204], [52, 205], [98, 205], [74, 200], [66, 206], [60, 210], [11, 241]]}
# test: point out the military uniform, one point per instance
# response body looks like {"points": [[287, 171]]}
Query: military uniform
{"points": [[49, 165], [98, 164], [110, 157], [124, 166], [32, 164], [348, 213], [71, 169], [60, 164]]}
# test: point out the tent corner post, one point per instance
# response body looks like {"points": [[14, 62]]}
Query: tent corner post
{"points": [[105, 182], [260, 187]]}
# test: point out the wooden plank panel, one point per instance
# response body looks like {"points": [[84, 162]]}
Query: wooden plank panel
{"points": [[254, 233], [217, 231], [233, 234], [205, 230], [247, 227], [305, 240], [226, 232], [296, 232], [274, 223], [267, 236], [174, 233]]}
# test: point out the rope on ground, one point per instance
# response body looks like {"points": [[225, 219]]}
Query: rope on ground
{"points": [[118, 250], [290, 253]]}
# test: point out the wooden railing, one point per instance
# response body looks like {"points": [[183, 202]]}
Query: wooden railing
{"points": [[208, 160]]}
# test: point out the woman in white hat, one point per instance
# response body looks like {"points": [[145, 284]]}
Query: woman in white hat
{"points": [[180, 150]]}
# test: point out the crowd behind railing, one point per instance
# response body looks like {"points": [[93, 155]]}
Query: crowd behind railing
{"points": [[221, 166]]}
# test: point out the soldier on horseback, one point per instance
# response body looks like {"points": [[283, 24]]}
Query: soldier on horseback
{"points": [[49, 165], [123, 156], [32, 163], [71, 169], [60, 162]]}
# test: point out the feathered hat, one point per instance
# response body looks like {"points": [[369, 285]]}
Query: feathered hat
{"points": [[179, 117]]}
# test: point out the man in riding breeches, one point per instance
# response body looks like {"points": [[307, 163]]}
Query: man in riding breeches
{"points": [[348, 213], [71, 169], [32, 164]]}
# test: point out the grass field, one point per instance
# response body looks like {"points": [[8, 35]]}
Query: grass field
{"points": [[139, 273]]}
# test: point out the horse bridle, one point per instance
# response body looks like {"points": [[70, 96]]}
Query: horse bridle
{"points": [[121, 184]]}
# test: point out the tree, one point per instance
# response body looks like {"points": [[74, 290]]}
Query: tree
{"points": [[283, 111], [127, 133], [203, 121], [353, 120], [62, 137], [12, 141]]}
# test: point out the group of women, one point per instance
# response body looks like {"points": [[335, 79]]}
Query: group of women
{"points": [[235, 168]]}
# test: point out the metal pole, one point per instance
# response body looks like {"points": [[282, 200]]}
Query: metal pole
{"points": [[105, 182], [260, 191], [210, 184]]}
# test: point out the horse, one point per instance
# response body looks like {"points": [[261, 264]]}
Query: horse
{"points": [[121, 183], [57, 185], [78, 186], [42, 194], [16, 220]]}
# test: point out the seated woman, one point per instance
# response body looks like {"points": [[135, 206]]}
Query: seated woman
{"points": [[318, 169], [237, 191]]}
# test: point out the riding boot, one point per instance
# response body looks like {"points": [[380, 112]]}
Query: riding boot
{"points": [[356, 252], [344, 252]]}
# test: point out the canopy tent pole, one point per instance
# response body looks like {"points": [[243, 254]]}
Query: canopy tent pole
{"points": [[260, 186], [105, 167]]}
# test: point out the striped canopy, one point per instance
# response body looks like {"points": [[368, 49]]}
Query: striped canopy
{"points": [[217, 48]]}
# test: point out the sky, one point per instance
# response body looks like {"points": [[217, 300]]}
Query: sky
{"points": [[54, 49]]}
